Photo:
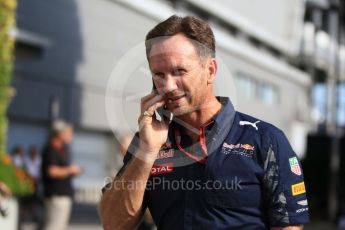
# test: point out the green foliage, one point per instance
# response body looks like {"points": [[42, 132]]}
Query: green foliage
{"points": [[7, 21], [15, 178], [3, 133]]}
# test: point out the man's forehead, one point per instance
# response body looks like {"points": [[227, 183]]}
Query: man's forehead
{"points": [[171, 60], [173, 56], [177, 45]]}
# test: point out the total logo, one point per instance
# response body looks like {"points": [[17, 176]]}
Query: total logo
{"points": [[162, 169]]}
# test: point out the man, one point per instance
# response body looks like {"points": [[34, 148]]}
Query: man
{"points": [[210, 167], [57, 172]]}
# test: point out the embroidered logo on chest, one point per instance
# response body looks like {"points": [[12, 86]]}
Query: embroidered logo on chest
{"points": [[250, 123], [245, 150], [165, 152]]}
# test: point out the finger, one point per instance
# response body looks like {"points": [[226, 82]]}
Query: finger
{"points": [[151, 111], [148, 97], [155, 106], [150, 102]]}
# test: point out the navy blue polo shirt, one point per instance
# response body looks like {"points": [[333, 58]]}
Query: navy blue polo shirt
{"points": [[241, 174]]}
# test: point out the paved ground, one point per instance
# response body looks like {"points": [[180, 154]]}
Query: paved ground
{"points": [[84, 217]]}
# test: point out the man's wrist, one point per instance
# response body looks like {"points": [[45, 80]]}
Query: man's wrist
{"points": [[147, 155]]}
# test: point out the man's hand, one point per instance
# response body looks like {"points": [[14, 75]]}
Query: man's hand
{"points": [[153, 134], [60, 172], [122, 208], [74, 170]]}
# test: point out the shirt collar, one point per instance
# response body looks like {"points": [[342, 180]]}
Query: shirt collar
{"points": [[223, 122], [225, 118]]}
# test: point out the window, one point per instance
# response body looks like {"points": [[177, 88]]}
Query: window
{"points": [[250, 88], [268, 94], [245, 85]]}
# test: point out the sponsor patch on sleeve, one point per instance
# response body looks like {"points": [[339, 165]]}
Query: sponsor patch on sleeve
{"points": [[303, 202], [298, 189], [294, 166]]}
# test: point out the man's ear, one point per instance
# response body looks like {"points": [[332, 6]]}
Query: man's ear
{"points": [[212, 67]]}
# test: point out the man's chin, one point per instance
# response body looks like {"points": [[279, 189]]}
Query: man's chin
{"points": [[178, 113], [182, 111]]}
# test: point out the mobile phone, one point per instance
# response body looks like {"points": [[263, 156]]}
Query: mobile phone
{"points": [[161, 113]]}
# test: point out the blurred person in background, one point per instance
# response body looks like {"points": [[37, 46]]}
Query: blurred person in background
{"points": [[33, 164], [18, 156], [57, 174], [35, 201], [207, 141]]}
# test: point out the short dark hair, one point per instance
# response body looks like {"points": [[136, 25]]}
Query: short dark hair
{"points": [[194, 28]]}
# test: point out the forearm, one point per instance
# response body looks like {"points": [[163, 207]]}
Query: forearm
{"points": [[121, 203], [59, 172]]}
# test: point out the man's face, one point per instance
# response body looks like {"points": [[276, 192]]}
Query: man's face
{"points": [[67, 135], [179, 74]]}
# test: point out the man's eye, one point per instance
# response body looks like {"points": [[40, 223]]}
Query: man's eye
{"points": [[158, 75], [179, 72]]}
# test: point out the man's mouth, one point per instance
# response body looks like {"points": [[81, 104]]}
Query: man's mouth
{"points": [[175, 98]]}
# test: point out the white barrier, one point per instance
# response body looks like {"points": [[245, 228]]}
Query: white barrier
{"points": [[10, 222]]}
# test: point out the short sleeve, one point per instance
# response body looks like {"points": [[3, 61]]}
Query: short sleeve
{"points": [[284, 188], [49, 158]]}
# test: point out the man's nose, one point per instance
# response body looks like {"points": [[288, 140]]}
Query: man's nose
{"points": [[169, 84]]}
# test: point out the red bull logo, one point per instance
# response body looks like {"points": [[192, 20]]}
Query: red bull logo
{"points": [[247, 147], [165, 154], [237, 146], [166, 146], [246, 150], [231, 146]]}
